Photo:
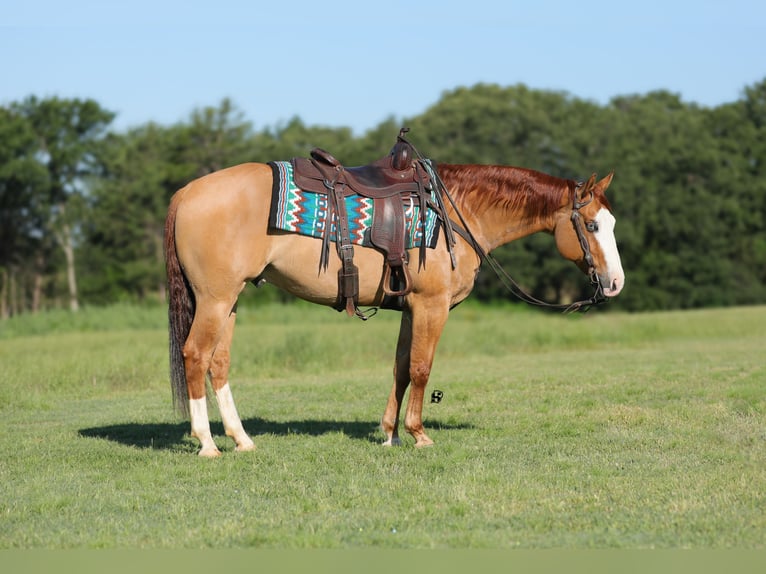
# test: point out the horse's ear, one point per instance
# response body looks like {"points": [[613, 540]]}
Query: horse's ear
{"points": [[604, 183], [586, 189]]}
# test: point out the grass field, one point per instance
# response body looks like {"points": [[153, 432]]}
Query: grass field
{"points": [[600, 431]]}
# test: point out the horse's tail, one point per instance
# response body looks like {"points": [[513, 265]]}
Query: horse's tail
{"points": [[180, 312]]}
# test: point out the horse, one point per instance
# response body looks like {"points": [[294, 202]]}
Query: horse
{"points": [[218, 240]]}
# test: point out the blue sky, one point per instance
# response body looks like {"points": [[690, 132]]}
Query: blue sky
{"points": [[357, 63]]}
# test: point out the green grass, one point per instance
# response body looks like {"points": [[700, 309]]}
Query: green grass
{"points": [[600, 431]]}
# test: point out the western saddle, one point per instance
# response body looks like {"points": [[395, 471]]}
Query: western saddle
{"points": [[398, 178]]}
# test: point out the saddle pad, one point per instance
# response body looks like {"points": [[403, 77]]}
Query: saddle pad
{"points": [[304, 212]]}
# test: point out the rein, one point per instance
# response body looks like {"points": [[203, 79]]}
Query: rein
{"points": [[598, 296], [513, 287]]}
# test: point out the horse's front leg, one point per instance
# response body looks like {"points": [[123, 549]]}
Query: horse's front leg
{"points": [[219, 372], [424, 324], [428, 320], [390, 422]]}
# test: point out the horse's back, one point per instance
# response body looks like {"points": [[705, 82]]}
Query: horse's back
{"points": [[245, 186]]}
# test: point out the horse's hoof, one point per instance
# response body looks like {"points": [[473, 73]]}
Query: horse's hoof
{"points": [[424, 442], [394, 441], [245, 447], [210, 452]]}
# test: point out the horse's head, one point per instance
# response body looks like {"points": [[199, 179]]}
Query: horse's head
{"points": [[584, 234]]}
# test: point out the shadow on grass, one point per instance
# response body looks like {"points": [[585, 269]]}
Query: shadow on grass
{"points": [[175, 436]]}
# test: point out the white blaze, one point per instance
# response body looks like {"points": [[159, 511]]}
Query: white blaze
{"points": [[605, 237]]}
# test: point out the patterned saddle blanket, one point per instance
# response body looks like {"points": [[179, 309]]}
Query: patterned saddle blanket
{"points": [[306, 213]]}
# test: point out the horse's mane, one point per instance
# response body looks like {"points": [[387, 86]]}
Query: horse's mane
{"points": [[512, 188]]}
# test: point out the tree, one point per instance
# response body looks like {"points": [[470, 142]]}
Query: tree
{"points": [[21, 175], [215, 138], [124, 233], [68, 133], [739, 129], [689, 192], [143, 169], [296, 139]]}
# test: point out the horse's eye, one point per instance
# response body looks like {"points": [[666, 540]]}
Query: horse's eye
{"points": [[592, 226]]}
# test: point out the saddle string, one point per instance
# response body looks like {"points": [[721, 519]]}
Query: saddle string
{"points": [[515, 289], [348, 274]]}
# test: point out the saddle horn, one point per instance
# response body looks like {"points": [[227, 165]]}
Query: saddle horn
{"points": [[402, 154]]}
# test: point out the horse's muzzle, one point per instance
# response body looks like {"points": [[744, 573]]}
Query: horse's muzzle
{"points": [[615, 286]]}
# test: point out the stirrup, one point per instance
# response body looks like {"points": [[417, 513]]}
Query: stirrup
{"points": [[389, 274]]}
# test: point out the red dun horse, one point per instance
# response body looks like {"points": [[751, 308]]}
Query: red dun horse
{"points": [[217, 240]]}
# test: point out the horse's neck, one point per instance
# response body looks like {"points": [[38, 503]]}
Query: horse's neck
{"points": [[501, 204]]}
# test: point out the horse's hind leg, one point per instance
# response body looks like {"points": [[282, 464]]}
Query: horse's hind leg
{"points": [[206, 332], [219, 372]]}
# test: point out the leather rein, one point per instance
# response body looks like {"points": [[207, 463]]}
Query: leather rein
{"points": [[598, 296], [464, 231]]}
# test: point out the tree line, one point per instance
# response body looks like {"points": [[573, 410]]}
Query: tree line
{"points": [[82, 206]]}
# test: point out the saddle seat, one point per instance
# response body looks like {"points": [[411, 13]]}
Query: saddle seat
{"points": [[396, 173], [392, 181]]}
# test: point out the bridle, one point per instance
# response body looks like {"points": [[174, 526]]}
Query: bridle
{"points": [[464, 231], [598, 296]]}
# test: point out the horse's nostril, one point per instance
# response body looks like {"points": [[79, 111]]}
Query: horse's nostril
{"points": [[615, 286]]}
